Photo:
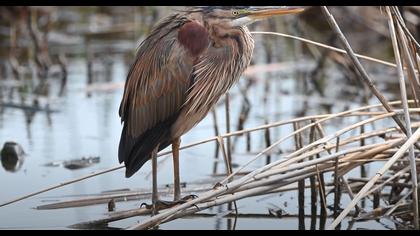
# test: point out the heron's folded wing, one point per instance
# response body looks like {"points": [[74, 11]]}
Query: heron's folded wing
{"points": [[156, 87]]}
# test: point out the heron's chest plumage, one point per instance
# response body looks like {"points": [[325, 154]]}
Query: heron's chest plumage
{"points": [[216, 71]]}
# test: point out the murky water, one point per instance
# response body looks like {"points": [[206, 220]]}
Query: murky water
{"points": [[87, 124]]}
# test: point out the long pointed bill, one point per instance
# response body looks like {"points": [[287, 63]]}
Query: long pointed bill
{"points": [[263, 13], [260, 13]]}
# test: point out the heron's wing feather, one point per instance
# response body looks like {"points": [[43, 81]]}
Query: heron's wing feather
{"points": [[156, 84], [155, 90]]}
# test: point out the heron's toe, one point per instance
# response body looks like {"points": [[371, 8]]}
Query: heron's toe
{"points": [[188, 197]]}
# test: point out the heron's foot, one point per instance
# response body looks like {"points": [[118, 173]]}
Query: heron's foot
{"points": [[217, 185], [162, 204], [159, 205], [187, 198]]}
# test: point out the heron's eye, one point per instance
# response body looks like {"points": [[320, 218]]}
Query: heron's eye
{"points": [[235, 13]]}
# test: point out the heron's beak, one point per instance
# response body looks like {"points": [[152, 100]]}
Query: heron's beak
{"points": [[259, 13], [265, 12]]}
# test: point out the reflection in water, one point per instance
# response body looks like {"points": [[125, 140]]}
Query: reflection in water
{"points": [[323, 214], [62, 62], [12, 156], [218, 222]]}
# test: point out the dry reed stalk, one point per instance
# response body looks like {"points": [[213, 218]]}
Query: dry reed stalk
{"points": [[405, 106], [61, 185], [364, 76], [337, 192], [396, 175], [228, 154], [312, 181], [228, 141], [412, 76], [368, 154], [225, 155], [244, 115], [306, 171], [409, 58], [351, 195], [322, 199], [365, 180], [216, 132], [395, 12], [114, 217], [325, 46], [301, 183], [388, 164]]}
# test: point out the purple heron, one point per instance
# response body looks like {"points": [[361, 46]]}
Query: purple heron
{"points": [[189, 60]]}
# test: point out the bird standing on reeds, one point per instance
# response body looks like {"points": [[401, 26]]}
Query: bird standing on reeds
{"points": [[189, 60]]}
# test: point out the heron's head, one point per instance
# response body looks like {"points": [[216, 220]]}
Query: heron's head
{"points": [[234, 16]]}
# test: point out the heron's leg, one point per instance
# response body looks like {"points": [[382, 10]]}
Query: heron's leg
{"points": [[155, 193], [158, 204], [175, 152]]}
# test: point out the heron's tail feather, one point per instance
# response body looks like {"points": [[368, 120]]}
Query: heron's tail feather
{"points": [[134, 152]]}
